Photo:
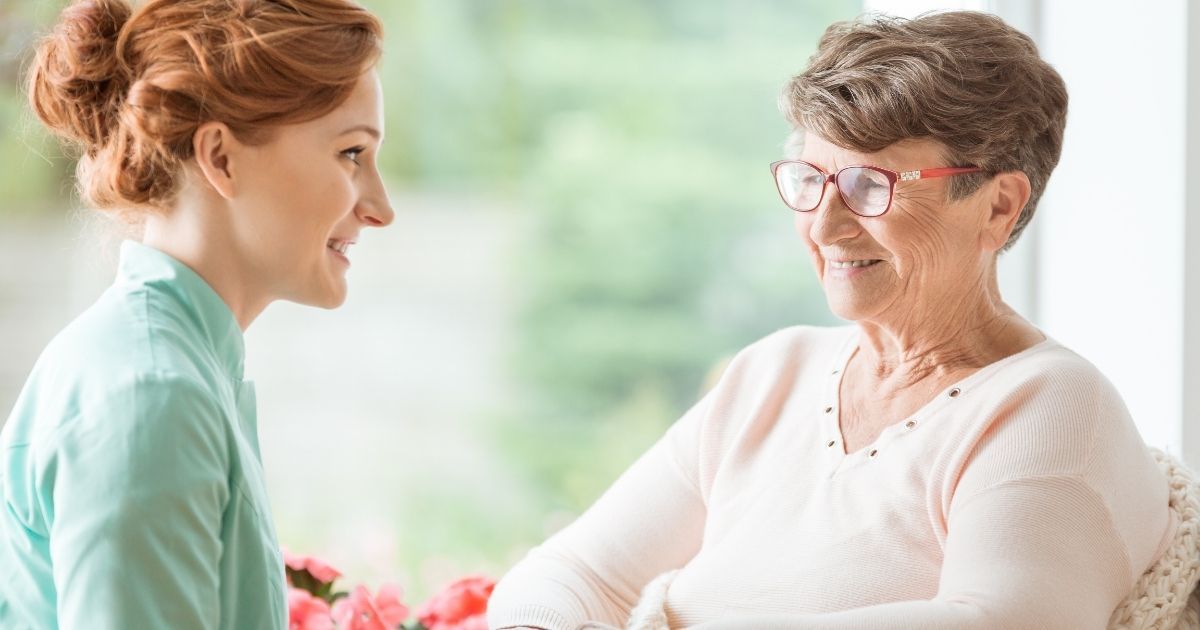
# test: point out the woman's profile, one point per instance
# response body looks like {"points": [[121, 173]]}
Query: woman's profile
{"points": [[240, 137]]}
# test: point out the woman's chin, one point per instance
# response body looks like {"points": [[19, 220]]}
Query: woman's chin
{"points": [[848, 308], [334, 301], [335, 297], [330, 296]]}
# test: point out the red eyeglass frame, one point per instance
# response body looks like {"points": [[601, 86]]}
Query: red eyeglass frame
{"points": [[892, 177]]}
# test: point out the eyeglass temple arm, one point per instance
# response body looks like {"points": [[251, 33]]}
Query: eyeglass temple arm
{"points": [[906, 176]]}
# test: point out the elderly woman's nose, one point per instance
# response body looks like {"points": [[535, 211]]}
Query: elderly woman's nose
{"points": [[832, 221]]}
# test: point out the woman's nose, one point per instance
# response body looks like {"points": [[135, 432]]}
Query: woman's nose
{"points": [[832, 221], [377, 215], [375, 209]]}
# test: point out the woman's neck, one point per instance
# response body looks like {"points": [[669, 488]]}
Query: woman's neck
{"points": [[198, 238], [949, 335]]}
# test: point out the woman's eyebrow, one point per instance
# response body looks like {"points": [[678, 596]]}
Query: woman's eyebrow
{"points": [[367, 128]]}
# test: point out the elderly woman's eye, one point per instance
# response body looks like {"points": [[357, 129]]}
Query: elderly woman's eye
{"points": [[353, 153], [810, 181]]}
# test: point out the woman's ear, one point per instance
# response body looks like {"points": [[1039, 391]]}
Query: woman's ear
{"points": [[215, 149], [1010, 193]]}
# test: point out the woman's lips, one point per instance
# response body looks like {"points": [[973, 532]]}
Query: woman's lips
{"points": [[337, 254], [849, 268]]}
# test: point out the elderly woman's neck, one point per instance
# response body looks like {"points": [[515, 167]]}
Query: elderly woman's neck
{"points": [[959, 333]]}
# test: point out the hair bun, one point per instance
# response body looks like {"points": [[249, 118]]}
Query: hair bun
{"points": [[78, 80], [131, 88]]}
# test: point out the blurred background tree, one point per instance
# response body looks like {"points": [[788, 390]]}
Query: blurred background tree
{"points": [[624, 145]]}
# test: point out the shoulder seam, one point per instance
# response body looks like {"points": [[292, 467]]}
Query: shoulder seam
{"points": [[158, 376], [1110, 523]]}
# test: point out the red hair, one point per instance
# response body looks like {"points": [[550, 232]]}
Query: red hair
{"points": [[130, 87]]}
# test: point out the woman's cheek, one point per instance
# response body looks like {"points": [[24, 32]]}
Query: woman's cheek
{"points": [[801, 223]]}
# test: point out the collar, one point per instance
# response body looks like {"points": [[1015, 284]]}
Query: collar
{"points": [[204, 309]]}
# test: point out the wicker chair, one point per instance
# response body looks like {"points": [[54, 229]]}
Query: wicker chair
{"points": [[1165, 598]]}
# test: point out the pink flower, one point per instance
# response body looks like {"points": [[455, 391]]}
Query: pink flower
{"points": [[316, 568], [360, 611], [306, 612], [460, 606]]}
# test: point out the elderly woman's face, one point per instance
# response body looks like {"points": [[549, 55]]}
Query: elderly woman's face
{"points": [[923, 254]]}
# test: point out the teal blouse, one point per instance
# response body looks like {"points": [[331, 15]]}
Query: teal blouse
{"points": [[133, 485]]}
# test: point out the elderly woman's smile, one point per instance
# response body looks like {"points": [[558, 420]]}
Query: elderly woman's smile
{"points": [[851, 264], [846, 268]]}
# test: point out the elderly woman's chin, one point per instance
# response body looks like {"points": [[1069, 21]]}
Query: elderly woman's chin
{"points": [[853, 302], [853, 308]]}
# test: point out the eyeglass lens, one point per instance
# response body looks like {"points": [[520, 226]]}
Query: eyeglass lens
{"points": [[865, 190]]}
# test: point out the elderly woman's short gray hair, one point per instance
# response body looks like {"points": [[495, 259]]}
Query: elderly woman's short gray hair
{"points": [[965, 79]]}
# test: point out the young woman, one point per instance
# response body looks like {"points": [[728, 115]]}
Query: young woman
{"points": [[241, 136]]}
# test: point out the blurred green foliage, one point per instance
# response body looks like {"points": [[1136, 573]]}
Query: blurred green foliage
{"points": [[33, 174], [637, 136]]}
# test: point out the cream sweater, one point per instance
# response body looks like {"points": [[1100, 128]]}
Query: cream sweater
{"points": [[1021, 497]]}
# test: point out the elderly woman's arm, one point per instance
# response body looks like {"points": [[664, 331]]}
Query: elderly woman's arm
{"points": [[650, 521], [1039, 552]]}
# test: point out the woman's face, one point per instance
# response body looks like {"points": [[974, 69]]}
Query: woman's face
{"points": [[927, 250], [306, 195]]}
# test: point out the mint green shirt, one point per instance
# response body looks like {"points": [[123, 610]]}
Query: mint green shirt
{"points": [[133, 485]]}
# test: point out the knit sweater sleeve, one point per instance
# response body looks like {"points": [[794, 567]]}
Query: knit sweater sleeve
{"points": [[649, 521], [1028, 553]]}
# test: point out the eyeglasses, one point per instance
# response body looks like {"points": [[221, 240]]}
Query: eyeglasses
{"points": [[866, 190]]}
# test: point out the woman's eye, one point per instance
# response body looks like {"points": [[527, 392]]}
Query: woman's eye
{"points": [[353, 153]]}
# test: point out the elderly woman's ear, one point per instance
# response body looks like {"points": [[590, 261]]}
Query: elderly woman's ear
{"points": [[1008, 193]]}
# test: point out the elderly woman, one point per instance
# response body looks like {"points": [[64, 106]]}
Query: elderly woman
{"points": [[941, 463]]}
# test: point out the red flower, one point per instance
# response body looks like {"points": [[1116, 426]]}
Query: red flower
{"points": [[460, 606], [360, 611], [306, 612], [316, 568]]}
